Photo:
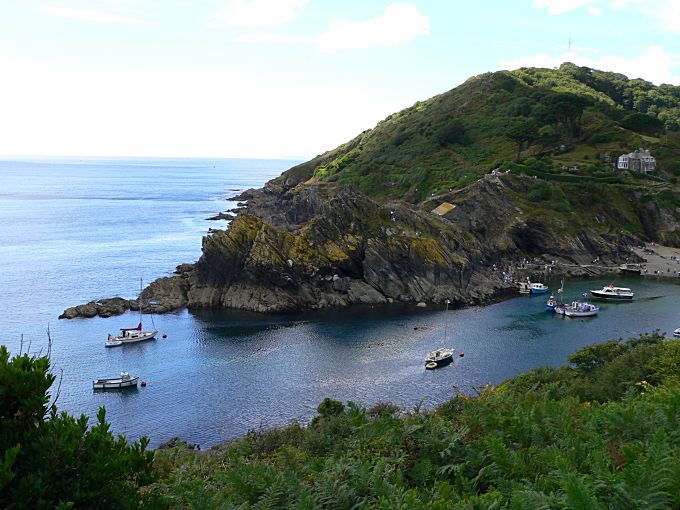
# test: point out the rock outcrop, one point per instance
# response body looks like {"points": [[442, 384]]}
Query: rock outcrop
{"points": [[320, 245]]}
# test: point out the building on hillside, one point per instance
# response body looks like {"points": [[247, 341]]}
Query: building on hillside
{"points": [[639, 161], [443, 208]]}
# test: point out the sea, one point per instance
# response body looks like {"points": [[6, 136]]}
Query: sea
{"points": [[74, 230]]}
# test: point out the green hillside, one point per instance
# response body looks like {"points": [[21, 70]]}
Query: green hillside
{"points": [[601, 433], [556, 122]]}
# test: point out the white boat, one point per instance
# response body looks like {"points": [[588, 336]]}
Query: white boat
{"points": [[131, 335], [676, 332], [442, 356], [125, 380], [611, 292], [630, 268], [580, 309], [538, 288]]}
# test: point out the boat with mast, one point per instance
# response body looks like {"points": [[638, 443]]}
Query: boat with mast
{"points": [[444, 355], [553, 305], [132, 335]]}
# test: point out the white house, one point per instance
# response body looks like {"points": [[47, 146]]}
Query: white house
{"points": [[640, 161]]}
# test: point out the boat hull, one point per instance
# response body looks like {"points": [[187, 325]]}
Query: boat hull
{"points": [[441, 358], [576, 313], [115, 383], [613, 297], [539, 291], [141, 337]]}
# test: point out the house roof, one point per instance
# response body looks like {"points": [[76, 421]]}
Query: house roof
{"points": [[443, 208]]}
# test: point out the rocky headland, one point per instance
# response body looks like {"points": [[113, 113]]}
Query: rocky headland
{"points": [[411, 212]]}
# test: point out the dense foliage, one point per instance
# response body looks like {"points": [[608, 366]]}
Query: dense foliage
{"points": [[601, 433], [574, 119], [52, 460]]}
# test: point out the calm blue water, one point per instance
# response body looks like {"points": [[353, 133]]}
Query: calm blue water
{"points": [[72, 231]]}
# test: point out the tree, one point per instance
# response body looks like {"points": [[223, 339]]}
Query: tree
{"points": [[642, 123], [563, 109], [521, 130], [51, 460]]}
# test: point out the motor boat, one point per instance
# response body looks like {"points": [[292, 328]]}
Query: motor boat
{"points": [[538, 288], [630, 269], [551, 304], [613, 293], [580, 309], [125, 380]]}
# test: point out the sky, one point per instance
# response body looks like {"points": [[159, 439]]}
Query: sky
{"points": [[283, 78]]}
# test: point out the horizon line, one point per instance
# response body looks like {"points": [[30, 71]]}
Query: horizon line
{"points": [[109, 157]]}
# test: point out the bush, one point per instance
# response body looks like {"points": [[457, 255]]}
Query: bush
{"points": [[453, 133], [539, 192], [330, 407], [51, 460], [642, 123]]}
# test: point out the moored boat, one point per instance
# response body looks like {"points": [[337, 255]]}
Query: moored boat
{"points": [[676, 332], [551, 304], [131, 335], [125, 380], [440, 358], [444, 355], [614, 293], [538, 288], [580, 309], [630, 268]]}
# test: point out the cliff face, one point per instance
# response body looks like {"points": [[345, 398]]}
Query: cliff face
{"points": [[333, 246], [326, 244]]}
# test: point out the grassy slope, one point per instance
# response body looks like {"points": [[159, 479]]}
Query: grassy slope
{"points": [[602, 433], [450, 140]]}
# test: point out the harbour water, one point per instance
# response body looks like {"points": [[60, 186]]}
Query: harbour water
{"points": [[76, 230]]}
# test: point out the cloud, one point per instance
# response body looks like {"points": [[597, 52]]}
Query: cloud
{"points": [[268, 37], [654, 64], [258, 13], [666, 13], [87, 15], [399, 23], [556, 7]]}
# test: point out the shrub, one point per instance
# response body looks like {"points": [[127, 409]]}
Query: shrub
{"points": [[453, 133], [330, 407], [539, 192], [52, 460], [642, 123]]}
